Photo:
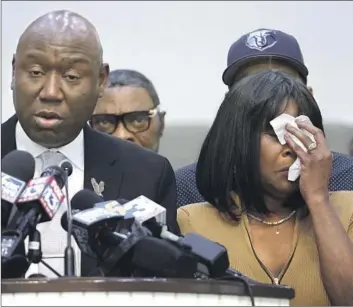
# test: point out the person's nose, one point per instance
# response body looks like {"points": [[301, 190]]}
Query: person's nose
{"points": [[122, 133], [288, 152], [52, 91]]}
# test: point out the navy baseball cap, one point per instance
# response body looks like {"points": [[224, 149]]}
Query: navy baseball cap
{"points": [[264, 43]]}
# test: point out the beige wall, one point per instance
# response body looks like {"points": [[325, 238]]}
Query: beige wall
{"points": [[182, 46]]}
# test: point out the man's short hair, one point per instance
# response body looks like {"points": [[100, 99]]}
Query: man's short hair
{"points": [[127, 77]]}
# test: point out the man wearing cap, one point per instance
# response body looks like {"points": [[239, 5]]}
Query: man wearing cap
{"points": [[254, 52]]}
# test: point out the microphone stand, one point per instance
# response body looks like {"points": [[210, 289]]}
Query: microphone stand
{"points": [[69, 258], [34, 254]]}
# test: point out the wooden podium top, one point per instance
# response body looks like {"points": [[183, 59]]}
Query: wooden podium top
{"points": [[94, 284]]}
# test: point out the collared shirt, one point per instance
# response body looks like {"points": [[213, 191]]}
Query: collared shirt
{"points": [[187, 193], [53, 237]]}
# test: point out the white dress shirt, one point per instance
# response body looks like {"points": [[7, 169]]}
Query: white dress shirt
{"points": [[54, 238]]}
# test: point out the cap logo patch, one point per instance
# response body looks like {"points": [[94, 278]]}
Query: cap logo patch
{"points": [[261, 39]]}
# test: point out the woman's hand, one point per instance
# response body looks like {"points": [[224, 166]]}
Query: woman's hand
{"points": [[316, 164]]}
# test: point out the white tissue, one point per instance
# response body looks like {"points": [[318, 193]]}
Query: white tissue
{"points": [[278, 124]]}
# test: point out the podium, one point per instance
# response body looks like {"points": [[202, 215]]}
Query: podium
{"points": [[139, 292]]}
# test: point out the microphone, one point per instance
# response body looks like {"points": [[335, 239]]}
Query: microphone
{"points": [[154, 257], [34, 246], [194, 256], [191, 256], [14, 263], [93, 228], [69, 255], [101, 234], [212, 257], [138, 252], [34, 254], [142, 256], [17, 168], [43, 197], [85, 200], [67, 167], [145, 211]]}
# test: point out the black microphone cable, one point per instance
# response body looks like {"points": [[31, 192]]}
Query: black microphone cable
{"points": [[237, 276]]}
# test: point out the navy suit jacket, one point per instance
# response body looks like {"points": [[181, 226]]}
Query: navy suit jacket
{"points": [[127, 170]]}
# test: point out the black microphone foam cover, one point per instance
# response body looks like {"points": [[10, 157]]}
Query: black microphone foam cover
{"points": [[67, 166], [85, 199], [82, 200], [19, 164]]}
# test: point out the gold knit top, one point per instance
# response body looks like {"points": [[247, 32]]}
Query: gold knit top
{"points": [[302, 271]]}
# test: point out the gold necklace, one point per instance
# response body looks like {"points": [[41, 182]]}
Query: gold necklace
{"points": [[277, 223]]}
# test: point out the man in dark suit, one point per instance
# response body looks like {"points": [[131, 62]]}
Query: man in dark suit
{"points": [[58, 75]]}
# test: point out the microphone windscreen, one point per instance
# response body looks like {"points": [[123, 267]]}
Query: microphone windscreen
{"points": [[85, 199], [82, 200], [19, 164], [63, 220], [67, 166]]}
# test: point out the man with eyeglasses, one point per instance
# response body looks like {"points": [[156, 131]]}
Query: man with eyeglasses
{"points": [[58, 75], [129, 109]]}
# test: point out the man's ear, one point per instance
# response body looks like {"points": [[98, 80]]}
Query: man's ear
{"points": [[162, 122], [103, 78], [13, 71], [311, 90]]}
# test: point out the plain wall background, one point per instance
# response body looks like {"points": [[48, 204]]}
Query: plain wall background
{"points": [[182, 47]]}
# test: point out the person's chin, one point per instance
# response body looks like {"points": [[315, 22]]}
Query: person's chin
{"points": [[288, 187], [280, 187], [48, 138]]}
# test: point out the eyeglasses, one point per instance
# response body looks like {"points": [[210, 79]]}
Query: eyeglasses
{"points": [[134, 122]]}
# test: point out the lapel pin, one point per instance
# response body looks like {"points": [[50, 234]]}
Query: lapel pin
{"points": [[98, 188]]}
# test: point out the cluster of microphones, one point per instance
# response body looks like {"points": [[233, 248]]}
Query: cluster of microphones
{"points": [[125, 237]]}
